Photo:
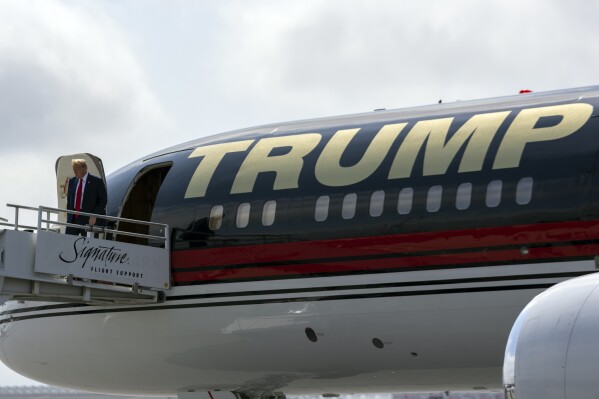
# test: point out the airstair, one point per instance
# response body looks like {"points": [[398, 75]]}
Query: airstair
{"points": [[41, 263]]}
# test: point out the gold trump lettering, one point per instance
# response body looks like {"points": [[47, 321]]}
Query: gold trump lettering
{"points": [[328, 169], [478, 131], [212, 154], [523, 130], [285, 155], [286, 166]]}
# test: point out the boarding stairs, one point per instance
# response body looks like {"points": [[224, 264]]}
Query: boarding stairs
{"points": [[41, 263]]}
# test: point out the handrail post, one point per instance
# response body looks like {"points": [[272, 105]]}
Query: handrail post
{"points": [[167, 241], [16, 218], [39, 219]]}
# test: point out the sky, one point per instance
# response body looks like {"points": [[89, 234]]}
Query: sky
{"points": [[124, 78]]}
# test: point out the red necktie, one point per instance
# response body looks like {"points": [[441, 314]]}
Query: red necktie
{"points": [[78, 197]]}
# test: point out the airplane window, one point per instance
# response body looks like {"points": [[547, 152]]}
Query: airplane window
{"points": [[216, 217], [348, 208], [321, 211], [494, 193], [377, 202], [268, 213], [404, 201], [243, 215], [463, 196], [524, 191], [433, 198]]}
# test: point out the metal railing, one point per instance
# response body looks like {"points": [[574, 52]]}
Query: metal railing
{"points": [[47, 223], [15, 225]]}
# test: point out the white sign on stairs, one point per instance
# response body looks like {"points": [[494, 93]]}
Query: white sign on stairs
{"points": [[101, 260]]}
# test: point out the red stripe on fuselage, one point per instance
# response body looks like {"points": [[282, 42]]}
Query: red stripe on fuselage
{"points": [[372, 254]]}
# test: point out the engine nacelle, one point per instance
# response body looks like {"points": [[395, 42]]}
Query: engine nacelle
{"points": [[553, 348]]}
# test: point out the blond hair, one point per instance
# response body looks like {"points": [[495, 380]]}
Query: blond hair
{"points": [[79, 162]]}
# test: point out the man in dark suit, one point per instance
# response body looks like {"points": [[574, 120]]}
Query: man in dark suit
{"points": [[86, 193]]}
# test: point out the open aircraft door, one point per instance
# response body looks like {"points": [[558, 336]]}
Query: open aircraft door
{"points": [[64, 171]]}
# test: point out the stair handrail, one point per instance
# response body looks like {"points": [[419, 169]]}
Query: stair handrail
{"points": [[47, 221], [163, 228]]}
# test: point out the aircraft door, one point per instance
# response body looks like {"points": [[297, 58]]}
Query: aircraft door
{"points": [[140, 200], [64, 171]]}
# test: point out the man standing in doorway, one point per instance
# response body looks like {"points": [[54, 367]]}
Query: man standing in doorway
{"points": [[87, 193]]}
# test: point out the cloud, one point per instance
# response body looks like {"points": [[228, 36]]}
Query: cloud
{"points": [[351, 56], [68, 81]]}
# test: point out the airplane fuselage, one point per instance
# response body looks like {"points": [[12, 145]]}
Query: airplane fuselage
{"points": [[386, 251]]}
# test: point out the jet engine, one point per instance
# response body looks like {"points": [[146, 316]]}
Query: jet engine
{"points": [[553, 348]]}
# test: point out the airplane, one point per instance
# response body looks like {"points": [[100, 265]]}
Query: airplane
{"points": [[387, 251]]}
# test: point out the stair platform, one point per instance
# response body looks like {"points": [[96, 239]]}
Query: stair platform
{"points": [[41, 263]]}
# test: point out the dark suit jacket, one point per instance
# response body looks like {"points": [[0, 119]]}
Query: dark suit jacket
{"points": [[94, 198]]}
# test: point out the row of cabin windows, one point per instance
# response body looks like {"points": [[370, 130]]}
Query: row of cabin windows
{"points": [[377, 202]]}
